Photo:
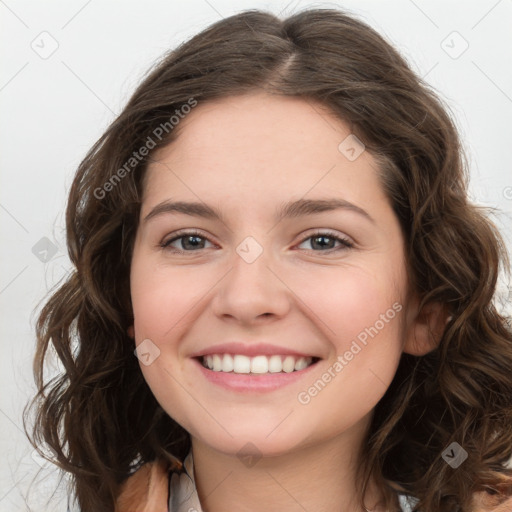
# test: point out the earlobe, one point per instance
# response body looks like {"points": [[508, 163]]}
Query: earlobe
{"points": [[130, 331], [426, 329]]}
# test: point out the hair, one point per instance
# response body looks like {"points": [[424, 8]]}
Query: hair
{"points": [[98, 416]]}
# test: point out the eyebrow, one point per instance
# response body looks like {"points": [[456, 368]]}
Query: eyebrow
{"points": [[287, 210]]}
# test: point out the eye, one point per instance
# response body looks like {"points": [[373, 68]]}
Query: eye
{"points": [[326, 242], [193, 241], [189, 241]]}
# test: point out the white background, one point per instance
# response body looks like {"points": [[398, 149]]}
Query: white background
{"points": [[53, 109]]}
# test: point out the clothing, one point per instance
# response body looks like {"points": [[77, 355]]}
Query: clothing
{"points": [[182, 489], [154, 488]]}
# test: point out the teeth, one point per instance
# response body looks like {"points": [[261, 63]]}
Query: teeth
{"points": [[288, 364], [300, 364], [275, 364], [257, 365], [217, 363], [241, 364], [227, 363]]}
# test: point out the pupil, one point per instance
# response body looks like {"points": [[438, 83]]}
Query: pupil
{"points": [[322, 238], [194, 240]]}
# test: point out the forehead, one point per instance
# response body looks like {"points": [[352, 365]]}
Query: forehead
{"points": [[257, 123], [259, 146]]}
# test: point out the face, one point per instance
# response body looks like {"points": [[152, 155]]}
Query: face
{"points": [[293, 257]]}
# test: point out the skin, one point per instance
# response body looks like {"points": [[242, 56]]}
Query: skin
{"points": [[247, 155]]}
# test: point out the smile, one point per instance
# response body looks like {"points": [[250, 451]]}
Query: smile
{"points": [[260, 364]]}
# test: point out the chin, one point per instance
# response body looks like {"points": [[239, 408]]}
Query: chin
{"points": [[261, 439]]}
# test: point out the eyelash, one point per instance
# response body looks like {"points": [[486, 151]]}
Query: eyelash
{"points": [[345, 242]]}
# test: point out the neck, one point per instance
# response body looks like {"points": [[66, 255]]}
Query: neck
{"points": [[320, 477]]}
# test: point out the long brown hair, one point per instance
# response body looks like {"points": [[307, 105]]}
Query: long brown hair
{"points": [[99, 417]]}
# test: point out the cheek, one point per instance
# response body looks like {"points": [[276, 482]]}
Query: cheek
{"points": [[161, 298], [361, 317], [354, 302], [362, 320]]}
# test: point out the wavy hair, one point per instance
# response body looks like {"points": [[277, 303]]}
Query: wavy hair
{"points": [[98, 416]]}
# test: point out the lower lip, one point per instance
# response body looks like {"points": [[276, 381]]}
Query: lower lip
{"points": [[246, 383]]}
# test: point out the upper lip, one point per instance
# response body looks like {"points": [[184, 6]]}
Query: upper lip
{"points": [[250, 350]]}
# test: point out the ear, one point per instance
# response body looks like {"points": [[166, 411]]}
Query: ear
{"points": [[426, 328], [130, 332]]}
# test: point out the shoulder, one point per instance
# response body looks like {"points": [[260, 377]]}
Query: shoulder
{"points": [[146, 490], [482, 502]]}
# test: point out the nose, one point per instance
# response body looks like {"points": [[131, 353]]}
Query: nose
{"points": [[251, 292]]}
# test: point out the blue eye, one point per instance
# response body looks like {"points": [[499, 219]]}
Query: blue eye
{"points": [[193, 241]]}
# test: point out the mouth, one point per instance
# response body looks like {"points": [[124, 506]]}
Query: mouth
{"points": [[258, 365]]}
